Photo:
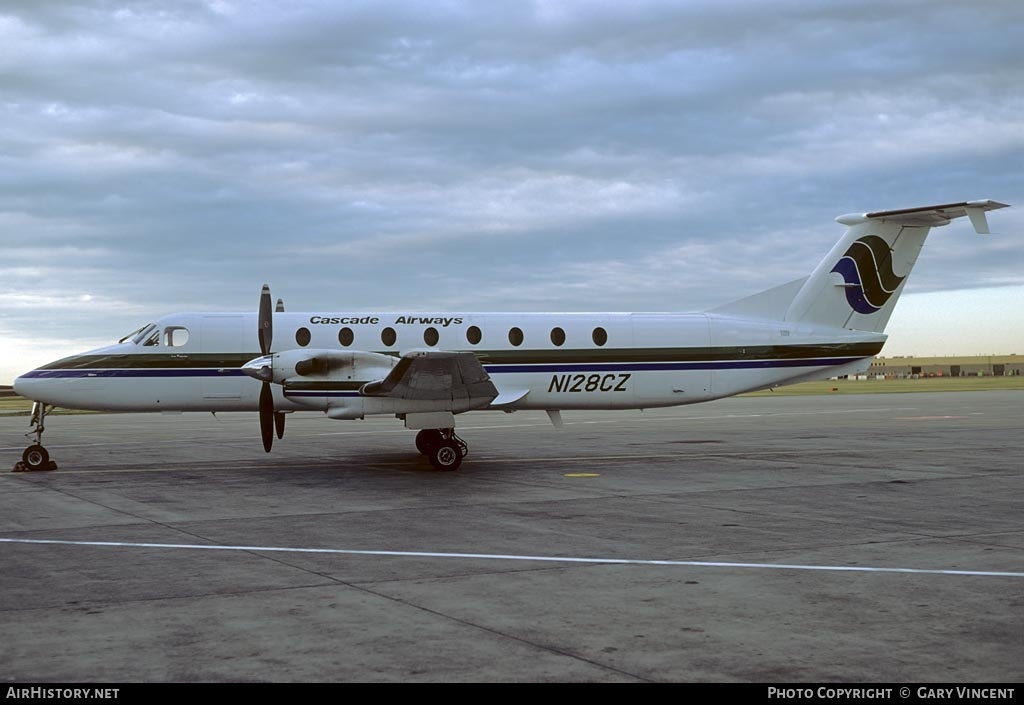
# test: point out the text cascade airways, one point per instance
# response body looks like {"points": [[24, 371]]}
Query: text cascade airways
{"points": [[442, 321]]}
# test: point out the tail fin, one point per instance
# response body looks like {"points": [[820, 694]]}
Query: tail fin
{"points": [[857, 284]]}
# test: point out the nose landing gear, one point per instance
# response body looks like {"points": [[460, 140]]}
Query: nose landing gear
{"points": [[36, 457]]}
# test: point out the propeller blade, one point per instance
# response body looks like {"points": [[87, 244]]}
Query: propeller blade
{"points": [[269, 420], [266, 321], [280, 306], [267, 416]]}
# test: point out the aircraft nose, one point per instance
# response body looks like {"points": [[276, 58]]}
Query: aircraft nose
{"points": [[21, 386], [28, 386], [37, 386]]}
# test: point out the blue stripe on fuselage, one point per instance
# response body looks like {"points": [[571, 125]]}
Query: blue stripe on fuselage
{"points": [[492, 369], [659, 366], [136, 372], [318, 394]]}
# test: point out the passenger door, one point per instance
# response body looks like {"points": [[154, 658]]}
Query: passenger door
{"points": [[222, 343]]}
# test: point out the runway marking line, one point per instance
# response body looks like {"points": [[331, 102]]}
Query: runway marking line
{"points": [[583, 474], [514, 557]]}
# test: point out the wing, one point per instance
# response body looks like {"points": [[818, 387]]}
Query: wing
{"points": [[456, 380]]}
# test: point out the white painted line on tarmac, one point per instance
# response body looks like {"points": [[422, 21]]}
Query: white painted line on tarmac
{"points": [[513, 557]]}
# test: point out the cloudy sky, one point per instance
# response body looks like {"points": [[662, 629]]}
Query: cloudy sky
{"points": [[159, 156]]}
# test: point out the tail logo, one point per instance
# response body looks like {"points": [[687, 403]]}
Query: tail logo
{"points": [[866, 267]]}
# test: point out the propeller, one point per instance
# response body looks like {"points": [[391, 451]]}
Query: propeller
{"points": [[262, 368], [266, 336], [279, 415]]}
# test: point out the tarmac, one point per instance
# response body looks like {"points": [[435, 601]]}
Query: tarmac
{"points": [[867, 538]]}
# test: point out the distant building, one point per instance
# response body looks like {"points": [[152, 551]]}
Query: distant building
{"points": [[966, 366]]}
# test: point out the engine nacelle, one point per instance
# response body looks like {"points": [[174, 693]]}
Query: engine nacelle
{"points": [[305, 365], [330, 366]]}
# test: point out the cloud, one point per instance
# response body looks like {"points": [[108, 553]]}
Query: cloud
{"points": [[463, 155]]}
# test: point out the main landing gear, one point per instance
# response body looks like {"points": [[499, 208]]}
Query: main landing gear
{"points": [[442, 447], [36, 456]]}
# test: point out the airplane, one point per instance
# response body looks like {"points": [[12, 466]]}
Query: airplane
{"points": [[428, 368]]}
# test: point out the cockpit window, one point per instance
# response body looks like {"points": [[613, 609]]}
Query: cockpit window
{"points": [[175, 336], [136, 335], [151, 336]]}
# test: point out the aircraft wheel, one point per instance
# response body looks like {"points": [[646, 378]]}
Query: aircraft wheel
{"points": [[446, 455], [427, 440], [35, 457]]}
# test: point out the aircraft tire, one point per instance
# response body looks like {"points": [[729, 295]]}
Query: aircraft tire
{"points": [[446, 455], [35, 457], [427, 439]]}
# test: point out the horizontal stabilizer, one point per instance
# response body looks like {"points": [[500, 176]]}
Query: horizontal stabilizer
{"points": [[931, 216]]}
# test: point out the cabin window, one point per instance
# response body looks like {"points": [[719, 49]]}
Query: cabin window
{"points": [[473, 335], [388, 336], [600, 336], [175, 336], [558, 336], [346, 336], [515, 336], [430, 336], [303, 336]]}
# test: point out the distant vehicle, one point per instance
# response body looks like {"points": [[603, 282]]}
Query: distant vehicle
{"points": [[427, 368]]}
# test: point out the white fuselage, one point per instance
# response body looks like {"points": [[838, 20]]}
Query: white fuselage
{"points": [[427, 368], [552, 361]]}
